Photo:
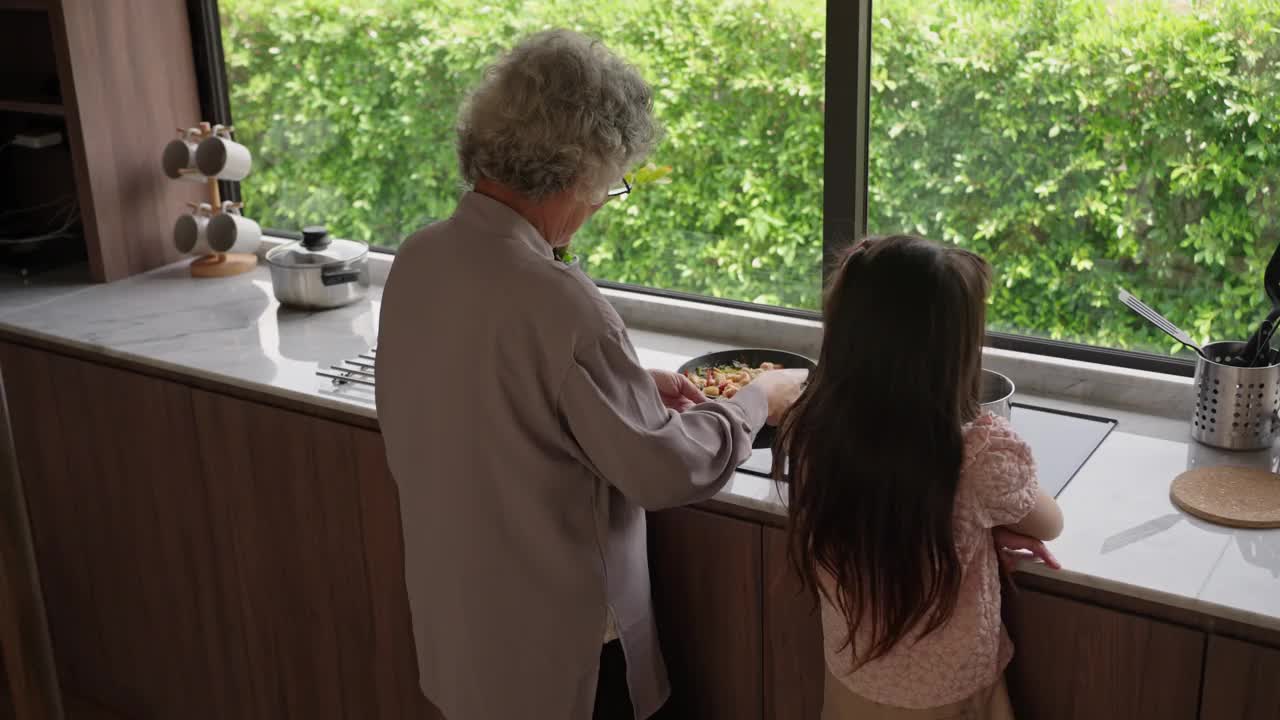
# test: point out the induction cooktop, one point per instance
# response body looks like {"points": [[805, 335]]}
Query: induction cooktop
{"points": [[1060, 441]]}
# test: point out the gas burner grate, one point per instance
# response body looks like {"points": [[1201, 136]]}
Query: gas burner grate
{"points": [[356, 371]]}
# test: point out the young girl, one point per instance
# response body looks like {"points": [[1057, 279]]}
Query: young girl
{"points": [[896, 483]]}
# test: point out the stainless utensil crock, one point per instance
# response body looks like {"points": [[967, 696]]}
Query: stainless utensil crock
{"points": [[1235, 406], [319, 272]]}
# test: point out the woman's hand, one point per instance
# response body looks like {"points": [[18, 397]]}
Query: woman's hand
{"points": [[1012, 546], [677, 391]]}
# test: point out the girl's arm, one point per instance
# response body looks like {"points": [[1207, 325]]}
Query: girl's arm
{"points": [[1002, 473], [1044, 521]]}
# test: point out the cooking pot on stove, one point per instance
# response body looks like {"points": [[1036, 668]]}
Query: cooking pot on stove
{"points": [[996, 394]]}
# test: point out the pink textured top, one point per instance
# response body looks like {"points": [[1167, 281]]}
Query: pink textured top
{"points": [[968, 653]]}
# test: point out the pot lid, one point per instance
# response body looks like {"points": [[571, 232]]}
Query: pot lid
{"points": [[316, 248]]}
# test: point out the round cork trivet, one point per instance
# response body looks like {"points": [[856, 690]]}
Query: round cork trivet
{"points": [[1233, 496]]}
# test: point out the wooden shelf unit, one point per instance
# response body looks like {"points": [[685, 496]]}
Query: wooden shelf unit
{"points": [[115, 90], [32, 107]]}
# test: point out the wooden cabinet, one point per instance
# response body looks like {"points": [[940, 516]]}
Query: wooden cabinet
{"points": [[706, 585], [206, 557], [310, 575], [794, 668], [1081, 662], [1241, 681], [28, 678], [115, 494], [115, 79]]}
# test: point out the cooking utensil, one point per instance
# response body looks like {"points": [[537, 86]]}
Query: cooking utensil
{"points": [[1258, 352], [319, 272], [1271, 278], [1236, 407], [1249, 356], [1160, 322], [996, 394], [752, 357]]}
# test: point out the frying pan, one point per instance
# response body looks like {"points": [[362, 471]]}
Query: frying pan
{"points": [[752, 357]]}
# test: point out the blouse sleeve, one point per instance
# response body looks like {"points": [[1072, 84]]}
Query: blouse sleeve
{"points": [[1000, 472], [655, 456]]}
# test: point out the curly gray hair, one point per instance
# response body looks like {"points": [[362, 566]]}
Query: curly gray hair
{"points": [[558, 111]]}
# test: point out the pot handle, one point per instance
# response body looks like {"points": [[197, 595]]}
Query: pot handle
{"points": [[339, 275]]}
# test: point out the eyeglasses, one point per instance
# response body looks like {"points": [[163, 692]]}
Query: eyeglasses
{"points": [[620, 192]]}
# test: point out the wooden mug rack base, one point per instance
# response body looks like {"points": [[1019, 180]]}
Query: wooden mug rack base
{"points": [[223, 265]]}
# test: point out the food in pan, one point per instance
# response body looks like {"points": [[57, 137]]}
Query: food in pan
{"points": [[726, 380]]}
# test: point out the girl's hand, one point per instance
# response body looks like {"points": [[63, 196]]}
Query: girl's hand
{"points": [[677, 391], [1012, 546], [781, 387]]}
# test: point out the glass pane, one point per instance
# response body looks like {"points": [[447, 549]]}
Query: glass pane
{"points": [[349, 106], [1083, 146]]}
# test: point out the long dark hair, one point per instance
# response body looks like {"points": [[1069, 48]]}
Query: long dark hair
{"points": [[873, 446]]}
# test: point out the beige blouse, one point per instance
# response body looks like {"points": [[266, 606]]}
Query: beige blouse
{"points": [[526, 441]]}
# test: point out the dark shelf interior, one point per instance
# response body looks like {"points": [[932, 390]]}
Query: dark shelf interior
{"points": [[33, 106], [28, 68], [37, 198]]}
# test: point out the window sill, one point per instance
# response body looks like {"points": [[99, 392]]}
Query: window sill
{"points": [[1152, 393], [1143, 391]]}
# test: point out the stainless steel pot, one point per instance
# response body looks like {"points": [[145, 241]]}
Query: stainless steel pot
{"points": [[996, 396], [319, 272]]}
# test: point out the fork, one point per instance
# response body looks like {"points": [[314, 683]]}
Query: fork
{"points": [[1160, 321]]}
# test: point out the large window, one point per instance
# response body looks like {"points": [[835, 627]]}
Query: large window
{"points": [[1085, 145], [349, 106], [1080, 145]]}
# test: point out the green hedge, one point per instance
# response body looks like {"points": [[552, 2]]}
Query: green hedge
{"points": [[1078, 144]]}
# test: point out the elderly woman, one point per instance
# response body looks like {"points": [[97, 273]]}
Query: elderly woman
{"points": [[525, 438]]}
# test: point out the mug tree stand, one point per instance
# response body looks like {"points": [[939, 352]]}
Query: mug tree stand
{"points": [[220, 264]]}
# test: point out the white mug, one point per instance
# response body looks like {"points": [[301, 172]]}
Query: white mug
{"points": [[223, 158], [231, 232], [180, 155], [191, 232]]}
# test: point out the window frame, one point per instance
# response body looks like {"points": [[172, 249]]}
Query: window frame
{"points": [[845, 167]]}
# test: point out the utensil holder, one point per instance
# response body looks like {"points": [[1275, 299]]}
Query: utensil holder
{"points": [[1235, 406]]}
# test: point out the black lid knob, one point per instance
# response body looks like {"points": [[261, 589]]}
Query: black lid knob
{"points": [[315, 237]]}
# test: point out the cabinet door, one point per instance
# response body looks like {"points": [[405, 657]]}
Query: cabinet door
{"points": [[115, 494], [1240, 681], [307, 525], [706, 578], [28, 677], [206, 557], [1081, 662], [794, 668]]}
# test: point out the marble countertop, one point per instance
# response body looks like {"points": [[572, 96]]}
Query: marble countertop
{"points": [[1122, 534], [228, 330], [1122, 530], [19, 293]]}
